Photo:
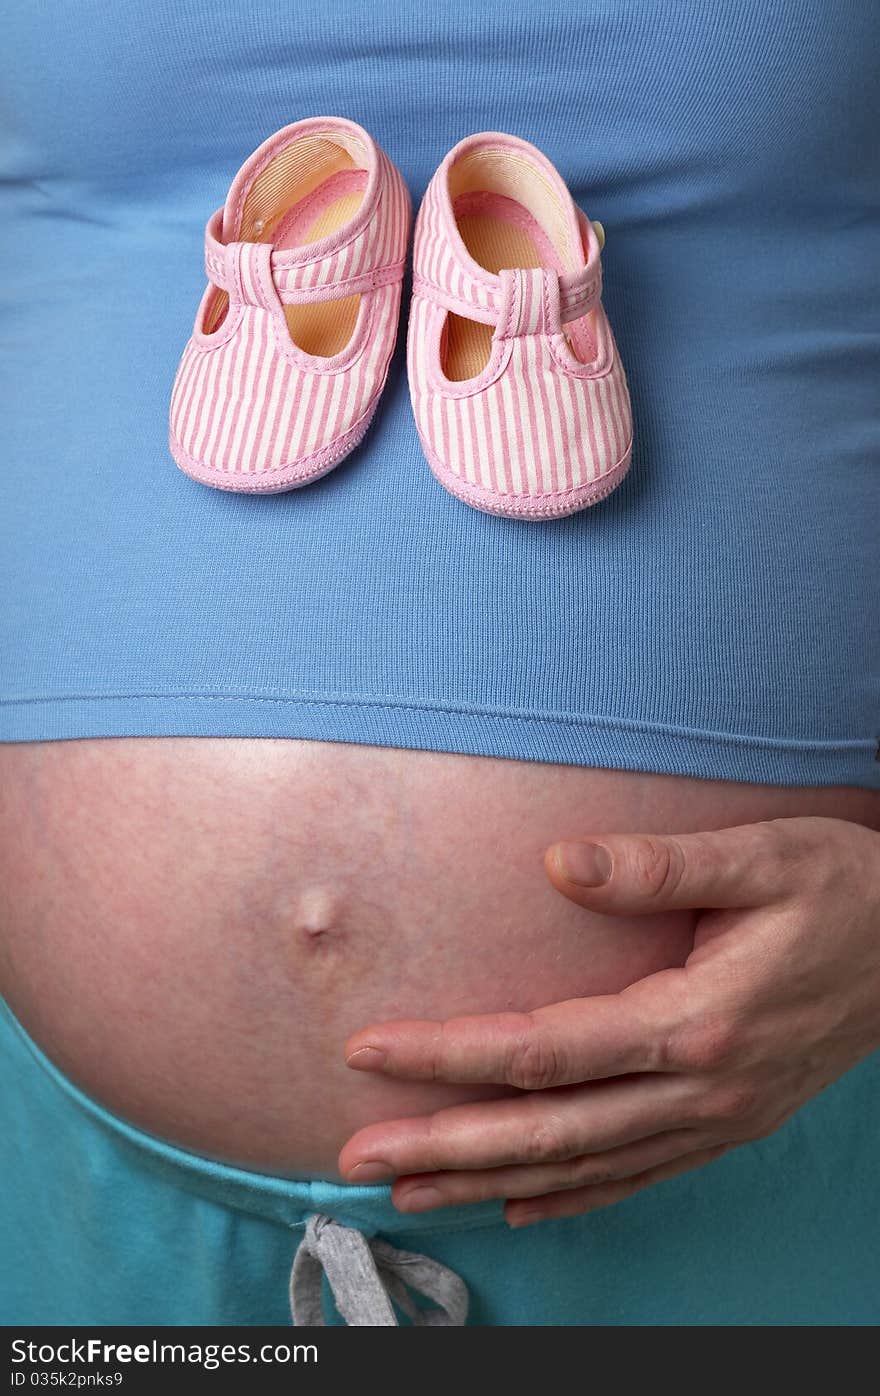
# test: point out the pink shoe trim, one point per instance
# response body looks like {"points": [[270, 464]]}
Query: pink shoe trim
{"points": [[348, 133], [457, 277], [526, 507], [218, 271]]}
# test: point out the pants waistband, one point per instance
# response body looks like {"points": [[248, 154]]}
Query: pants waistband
{"points": [[290, 1202]]}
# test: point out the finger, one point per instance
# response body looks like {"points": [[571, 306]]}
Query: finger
{"points": [[428, 1190], [746, 865], [529, 1129], [589, 1199], [579, 1040]]}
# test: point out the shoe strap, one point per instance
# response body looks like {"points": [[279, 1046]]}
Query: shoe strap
{"points": [[461, 285], [250, 271], [530, 302]]}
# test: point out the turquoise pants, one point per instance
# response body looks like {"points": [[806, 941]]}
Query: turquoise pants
{"points": [[103, 1224]]}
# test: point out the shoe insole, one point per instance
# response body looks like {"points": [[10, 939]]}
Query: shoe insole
{"points": [[508, 236], [322, 328]]}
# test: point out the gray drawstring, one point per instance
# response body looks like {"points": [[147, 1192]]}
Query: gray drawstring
{"points": [[365, 1275]]}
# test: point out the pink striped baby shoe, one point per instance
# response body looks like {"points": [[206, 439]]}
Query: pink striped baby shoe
{"points": [[518, 392], [293, 336]]}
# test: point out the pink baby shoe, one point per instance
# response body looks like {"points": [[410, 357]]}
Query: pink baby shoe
{"points": [[518, 392], [294, 334]]}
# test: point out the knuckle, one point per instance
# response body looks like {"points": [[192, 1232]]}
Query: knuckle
{"points": [[781, 844], [833, 864], [657, 865], [585, 1172], [706, 1046], [547, 1142], [775, 835], [534, 1062], [435, 1145], [734, 1103]]}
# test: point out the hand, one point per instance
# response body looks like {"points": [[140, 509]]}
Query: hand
{"points": [[780, 996]]}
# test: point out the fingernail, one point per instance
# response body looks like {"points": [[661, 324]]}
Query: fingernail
{"points": [[526, 1218], [588, 864], [420, 1199], [366, 1059], [371, 1171]]}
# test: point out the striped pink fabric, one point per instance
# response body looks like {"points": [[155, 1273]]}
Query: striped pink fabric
{"points": [[250, 410], [538, 433]]}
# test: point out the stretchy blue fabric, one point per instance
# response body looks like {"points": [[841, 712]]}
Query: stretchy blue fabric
{"points": [[715, 616]]}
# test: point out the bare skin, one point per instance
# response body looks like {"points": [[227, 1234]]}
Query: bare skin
{"points": [[780, 997], [193, 927]]}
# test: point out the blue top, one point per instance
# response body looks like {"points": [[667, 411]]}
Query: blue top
{"points": [[715, 616]]}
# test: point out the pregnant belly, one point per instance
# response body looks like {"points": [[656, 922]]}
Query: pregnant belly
{"points": [[191, 927]]}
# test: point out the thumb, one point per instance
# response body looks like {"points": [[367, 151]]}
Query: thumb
{"points": [[747, 865]]}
